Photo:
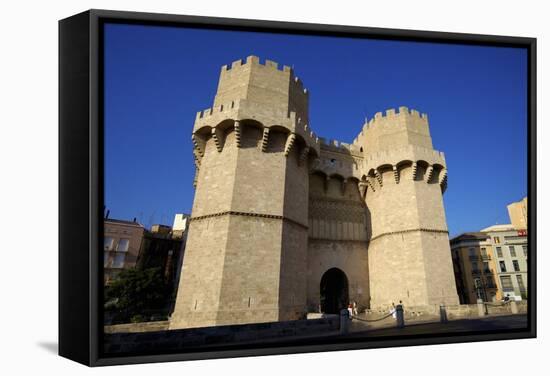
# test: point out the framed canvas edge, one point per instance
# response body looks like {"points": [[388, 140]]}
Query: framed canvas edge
{"points": [[304, 349], [74, 273], [91, 321]]}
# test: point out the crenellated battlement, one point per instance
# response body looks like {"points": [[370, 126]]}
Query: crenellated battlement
{"points": [[223, 108], [262, 91], [394, 129], [409, 152], [242, 110], [298, 85], [254, 62], [393, 117], [339, 147], [269, 95], [403, 111]]}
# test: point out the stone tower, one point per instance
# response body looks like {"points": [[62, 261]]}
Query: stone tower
{"points": [[403, 180], [285, 223], [246, 251]]}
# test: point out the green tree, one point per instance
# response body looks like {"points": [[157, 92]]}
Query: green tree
{"points": [[134, 293]]}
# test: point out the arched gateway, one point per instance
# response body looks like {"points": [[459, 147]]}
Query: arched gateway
{"points": [[334, 291]]}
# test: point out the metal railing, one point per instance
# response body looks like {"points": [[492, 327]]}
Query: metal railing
{"points": [[373, 320], [500, 304]]}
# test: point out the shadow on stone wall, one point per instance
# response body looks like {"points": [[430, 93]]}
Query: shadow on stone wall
{"points": [[164, 341]]}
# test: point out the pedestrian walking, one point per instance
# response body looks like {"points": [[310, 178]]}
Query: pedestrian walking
{"points": [[350, 310], [355, 312]]}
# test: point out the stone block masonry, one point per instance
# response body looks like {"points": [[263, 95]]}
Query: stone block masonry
{"points": [[135, 338], [285, 223]]}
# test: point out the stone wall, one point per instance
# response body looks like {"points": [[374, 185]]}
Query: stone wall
{"points": [[180, 340], [454, 311], [199, 289], [293, 279], [465, 311], [336, 209], [140, 327], [259, 177], [215, 182], [348, 256]]}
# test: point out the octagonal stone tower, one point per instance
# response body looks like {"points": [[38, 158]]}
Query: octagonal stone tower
{"points": [[403, 182], [247, 244]]}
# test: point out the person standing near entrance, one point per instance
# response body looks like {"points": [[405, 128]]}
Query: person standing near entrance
{"points": [[350, 310], [393, 311], [354, 308]]}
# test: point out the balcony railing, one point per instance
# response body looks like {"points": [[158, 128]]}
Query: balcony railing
{"points": [[486, 257], [473, 258]]}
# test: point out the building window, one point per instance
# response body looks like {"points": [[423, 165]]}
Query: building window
{"points": [[520, 283], [486, 267], [496, 239], [118, 261], [502, 266], [524, 250], [512, 251], [123, 245], [506, 282], [499, 252], [108, 244], [516, 265], [105, 259], [475, 269]]}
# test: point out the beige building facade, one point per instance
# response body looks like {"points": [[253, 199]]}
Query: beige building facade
{"points": [[492, 263], [285, 222], [518, 214], [510, 248], [122, 242], [475, 269]]}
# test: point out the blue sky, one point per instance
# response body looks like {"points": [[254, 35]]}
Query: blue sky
{"points": [[157, 78]]}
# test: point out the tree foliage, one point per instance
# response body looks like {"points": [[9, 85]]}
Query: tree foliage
{"points": [[135, 292]]}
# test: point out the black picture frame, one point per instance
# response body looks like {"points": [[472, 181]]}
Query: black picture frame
{"points": [[81, 182]]}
